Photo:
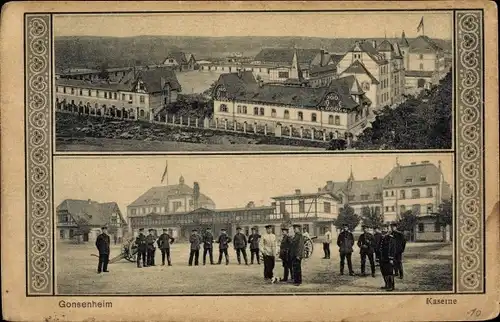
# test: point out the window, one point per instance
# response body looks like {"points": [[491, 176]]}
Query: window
{"points": [[61, 233], [300, 116], [421, 228], [282, 207], [255, 111], [223, 108], [387, 193], [392, 208], [313, 117], [415, 193], [261, 111], [330, 119], [141, 113], [81, 92], [377, 209], [430, 208], [402, 194], [415, 209], [302, 206], [123, 97], [421, 56], [64, 90], [114, 95], [327, 207], [176, 205], [429, 192], [244, 109], [421, 66], [286, 115], [283, 75], [142, 99], [437, 228], [350, 198], [337, 120], [408, 180], [133, 211], [364, 197], [273, 113], [402, 209], [423, 178], [88, 93], [238, 109], [105, 94], [386, 208], [130, 97], [392, 193]]}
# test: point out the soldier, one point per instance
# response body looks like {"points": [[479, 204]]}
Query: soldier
{"points": [[102, 244], [296, 254], [286, 243], [164, 242], [378, 237], [195, 241], [240, 245], [208, 241], [253, 240], [387, 252], [400, 248], [366, 244], [268, 249], [142, 247], [327, 240], [223, 242], [345, 241], [151, 249]]}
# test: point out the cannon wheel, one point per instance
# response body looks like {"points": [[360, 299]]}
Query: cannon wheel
{"points": [[308, 247]]}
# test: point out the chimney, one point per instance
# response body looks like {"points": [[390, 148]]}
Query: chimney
{"points": [[329, 185], [297, 191], [319, 189], [322, 51]]}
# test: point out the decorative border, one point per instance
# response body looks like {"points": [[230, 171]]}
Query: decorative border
{"points": [[469, 152], [38, 122], [469, 157]]}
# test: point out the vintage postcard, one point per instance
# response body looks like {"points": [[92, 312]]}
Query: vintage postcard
{"points": [[257, 161]]}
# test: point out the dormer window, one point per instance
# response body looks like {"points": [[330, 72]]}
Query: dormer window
{"points": [[423, 178], [408, 180]]}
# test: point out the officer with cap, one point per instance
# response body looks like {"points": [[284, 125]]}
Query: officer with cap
{"points": [[102, 243], [377, 237], [151, 249], [268, 249], [142, 247], [285, 247], [400, 248], [240, 245], [195, 241], [345, 241], [296, 254], [164, 242], [366, 244], [387, 253], [223, 242], [208, 241], [254, 240]]}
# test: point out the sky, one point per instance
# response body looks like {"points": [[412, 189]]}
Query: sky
{"points": [[324, 24], [230, 181]]}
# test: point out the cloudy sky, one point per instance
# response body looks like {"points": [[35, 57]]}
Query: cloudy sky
{"points": [[325, 24], [229, 181]]}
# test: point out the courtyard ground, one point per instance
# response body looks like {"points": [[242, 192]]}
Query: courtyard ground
{"points": [[428, 267], [193, 82]]}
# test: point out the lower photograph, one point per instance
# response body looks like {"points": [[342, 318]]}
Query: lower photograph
{"points": [[254, 225]]}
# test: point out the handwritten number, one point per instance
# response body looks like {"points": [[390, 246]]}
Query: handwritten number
{"points": [[474, 312]]}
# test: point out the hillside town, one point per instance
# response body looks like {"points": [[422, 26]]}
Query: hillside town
{"points": [[304, 95]]}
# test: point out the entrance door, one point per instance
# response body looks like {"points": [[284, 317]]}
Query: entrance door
{"points": [[277, 132], [86, 237]]}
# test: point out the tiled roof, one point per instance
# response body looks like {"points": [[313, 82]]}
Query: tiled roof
{"points": [[179, 57], [236, 82], [357, 188], [96, 214], [304, 195], [385, 45], [112, 86], [154, 77], [285, 55], [403, 41], [368, 48], [357, 67], [400, 175], [424, 44], [160, 195], [418, 73]]}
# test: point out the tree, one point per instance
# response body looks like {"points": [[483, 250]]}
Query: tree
{"points": [[372, 216], [250, 204], [445, 215], [347, 216], [82, 229], [407, 222]]}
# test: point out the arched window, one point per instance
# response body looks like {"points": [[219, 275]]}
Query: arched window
{"points": [[337, 120], [244, 109], [223, 108], [313, 117], [273, 113], [300, 116], [261, 111], [255, 111], [286, 114], [141, 113], [238, 109], [330, 119]]}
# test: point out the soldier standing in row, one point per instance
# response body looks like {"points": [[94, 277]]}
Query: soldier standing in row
{"points": [[102, 244], [223, 241], [286, 244], [208, 241], [400, 248], [195, 241], [268, 249], [164, 242], [253, 240], [387, 253], [326, 243], [142, 247], [345, 241], [377, 236], [296, 254], [151, 249], [240, 245], [366, 244]]}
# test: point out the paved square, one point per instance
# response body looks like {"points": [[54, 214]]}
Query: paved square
{"points": [[428, 267]]}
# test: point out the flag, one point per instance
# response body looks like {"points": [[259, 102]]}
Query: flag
{"points": [[165, 174], [421, 24]]}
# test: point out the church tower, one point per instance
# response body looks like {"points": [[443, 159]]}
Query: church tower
{"points": [[295, 71]]}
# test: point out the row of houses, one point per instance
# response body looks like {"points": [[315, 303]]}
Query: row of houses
{"points": [[416, 187]]}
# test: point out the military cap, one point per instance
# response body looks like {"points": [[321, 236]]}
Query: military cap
{"points": [[284, 227], [165, 229], [393, 223], [104, 227], [365, 226], [141, 229], [194, 229], [254, 228], [269, 226], [384, 225], [223, 229], [151, 229], [345, 225], [238, 228], [296, 225], [376, 227]]}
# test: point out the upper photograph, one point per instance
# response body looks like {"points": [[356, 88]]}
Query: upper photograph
{"points": [[253, 81]]}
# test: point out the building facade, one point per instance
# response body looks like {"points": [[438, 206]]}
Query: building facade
{"points": [[139, 94], [180, 61]]}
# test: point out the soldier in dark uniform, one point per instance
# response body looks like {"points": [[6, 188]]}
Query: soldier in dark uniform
{"points": [[296, 254], [286, 244], [142, 247], [345, 241], [387, 253], [366, 244], [102, 243], [240, 245], [223, 242], [164, 242], [254, 240], [208, 241], [400, 248], [151, 249], [377, 236], [195, 241]]}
